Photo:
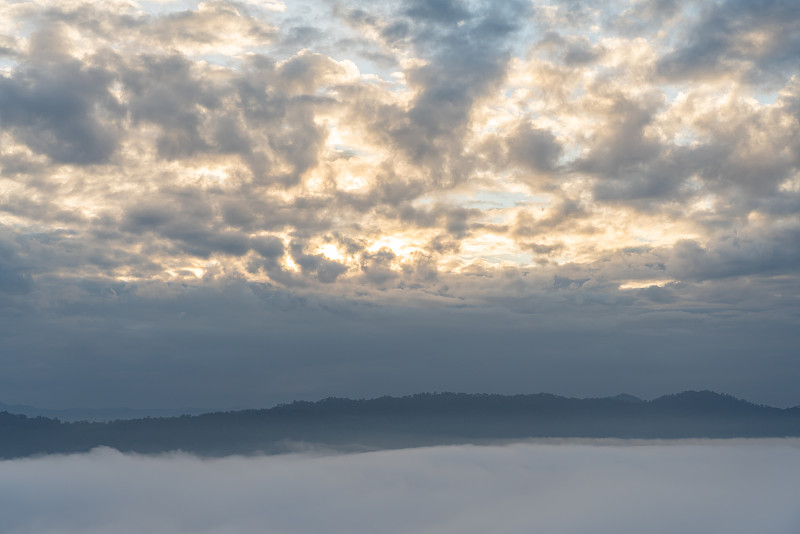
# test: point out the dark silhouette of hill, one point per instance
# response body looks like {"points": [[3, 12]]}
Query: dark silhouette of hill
{"points": [[398, 422], [627, 397], [95, 414]]}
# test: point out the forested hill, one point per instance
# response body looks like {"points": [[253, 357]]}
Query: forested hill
{"points": [[396, 422]]}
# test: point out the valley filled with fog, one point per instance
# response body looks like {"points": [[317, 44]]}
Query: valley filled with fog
{"points": [[568, 486]]}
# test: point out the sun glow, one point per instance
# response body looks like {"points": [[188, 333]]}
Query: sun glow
{"points": [[398, 245], [642, 284], [331, 252]]}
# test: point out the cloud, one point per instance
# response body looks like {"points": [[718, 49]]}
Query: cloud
{"points": [[14, 282], [569, 486], [751, 39], [577, 164], [59, 110], [214, 345], [534, 148], [439, 11]]}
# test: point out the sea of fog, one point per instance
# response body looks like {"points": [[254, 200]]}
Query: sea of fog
{"points": [[557, 486]]}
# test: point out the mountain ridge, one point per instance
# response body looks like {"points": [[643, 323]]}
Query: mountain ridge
{"points": [[125, 413], [410, 421], [97, 414]]}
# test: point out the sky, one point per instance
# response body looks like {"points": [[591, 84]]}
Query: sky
{"points": [[571, 487], [234, 204]]}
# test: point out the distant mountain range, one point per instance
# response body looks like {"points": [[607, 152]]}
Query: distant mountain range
{"points": [[399, 422], [97, 414]]}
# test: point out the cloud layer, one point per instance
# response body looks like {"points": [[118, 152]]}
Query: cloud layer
{"points": [[591, 165], [570, 487]]}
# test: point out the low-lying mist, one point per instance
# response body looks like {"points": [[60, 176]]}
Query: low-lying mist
{"points": [[568, 486]]}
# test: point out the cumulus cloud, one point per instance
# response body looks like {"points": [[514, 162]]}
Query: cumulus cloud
{"points": [[297, 144], [57, 109], [571, 487], [748, 39]]}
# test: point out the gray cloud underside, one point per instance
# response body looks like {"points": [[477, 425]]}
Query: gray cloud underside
{"points": [[571, 487], [240, 344]]}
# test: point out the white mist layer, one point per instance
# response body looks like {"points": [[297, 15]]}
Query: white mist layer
{"points": [[733, 486]]}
